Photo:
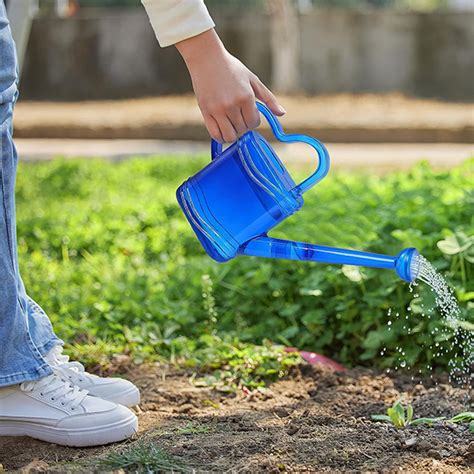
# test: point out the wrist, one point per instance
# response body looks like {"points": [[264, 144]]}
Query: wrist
{"points": [[194, 49]]}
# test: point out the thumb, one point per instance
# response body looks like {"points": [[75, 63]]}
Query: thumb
{"points": [[266, 96]]}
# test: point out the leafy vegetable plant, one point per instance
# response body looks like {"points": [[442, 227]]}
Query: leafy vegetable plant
{"points": [[402, 416]]}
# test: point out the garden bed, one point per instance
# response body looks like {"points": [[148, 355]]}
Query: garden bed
{"points": [[106, 250], [313, 419]]}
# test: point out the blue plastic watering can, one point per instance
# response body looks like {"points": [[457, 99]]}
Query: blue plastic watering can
{"points": [[246, 190]]}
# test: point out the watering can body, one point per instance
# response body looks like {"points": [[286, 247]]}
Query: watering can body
{"points": [[242, 194], [245, 191]]}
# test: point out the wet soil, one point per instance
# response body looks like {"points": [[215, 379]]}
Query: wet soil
{"points": [[314, 420]]}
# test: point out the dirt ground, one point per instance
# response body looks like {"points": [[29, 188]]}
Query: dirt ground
{"points": [[314, 420], [365, 118]]}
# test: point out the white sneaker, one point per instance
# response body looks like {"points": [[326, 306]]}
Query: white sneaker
{"points": [[113, 389], [54, 410]]}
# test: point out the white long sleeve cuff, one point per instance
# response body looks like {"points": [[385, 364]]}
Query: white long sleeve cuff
{"points": [[177, 20]]}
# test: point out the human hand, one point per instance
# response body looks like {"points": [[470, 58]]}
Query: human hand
{"points": [[225, 89]]}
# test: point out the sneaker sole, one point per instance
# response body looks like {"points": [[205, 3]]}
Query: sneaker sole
{"points": [[94, 436]]}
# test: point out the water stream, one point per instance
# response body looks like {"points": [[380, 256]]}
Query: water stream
{"points": [[455, 338], [461, 365]]}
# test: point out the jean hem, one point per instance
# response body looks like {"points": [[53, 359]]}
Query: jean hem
{"points": [[48, 345], [27, 376]]}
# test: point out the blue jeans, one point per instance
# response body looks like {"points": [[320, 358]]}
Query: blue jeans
{"points": [[26, 334]]}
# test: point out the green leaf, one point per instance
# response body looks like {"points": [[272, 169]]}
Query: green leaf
{"points": [[290, 332], [410, 237], [409, 414], [466, 325], [464, 417], [465, 295], [454, 244], [376, 339], [427, 421], [380, 418], [449, 245], [471, 426], [315, 317], [397, 414], [310, 292], [395, 418], [353, 273]]}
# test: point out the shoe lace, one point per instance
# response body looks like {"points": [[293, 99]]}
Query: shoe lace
{"points": [[61, 362], [58, 388], [79, 370], [56, 355]]}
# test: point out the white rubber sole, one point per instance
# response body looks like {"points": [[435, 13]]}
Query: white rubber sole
{"points": [[94, 436]]}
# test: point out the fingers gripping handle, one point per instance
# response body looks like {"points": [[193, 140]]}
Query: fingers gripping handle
{"points": [[323, 155]]}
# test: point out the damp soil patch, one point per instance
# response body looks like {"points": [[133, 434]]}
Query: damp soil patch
{"points": [[313, 420]]}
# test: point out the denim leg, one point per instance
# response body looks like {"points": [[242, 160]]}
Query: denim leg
{"points": [[40, 327], [20, 359]]}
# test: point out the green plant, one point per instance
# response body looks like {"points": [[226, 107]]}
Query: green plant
{"points": [[105, 249], [191, 428], [142, 456], [230, 364], [460, 247], [464, 417], [402, 416]]}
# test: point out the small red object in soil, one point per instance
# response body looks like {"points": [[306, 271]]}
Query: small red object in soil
{"points": [[315, 358]]}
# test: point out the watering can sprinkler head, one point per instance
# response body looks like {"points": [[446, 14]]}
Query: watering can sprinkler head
{"points": [[245, 191], [407, 264]]}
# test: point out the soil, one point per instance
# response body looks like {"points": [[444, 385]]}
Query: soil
{"points": [[313, 420], [365, 118]]}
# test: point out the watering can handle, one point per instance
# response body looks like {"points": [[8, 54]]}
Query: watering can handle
{"points": [[323, 155]]}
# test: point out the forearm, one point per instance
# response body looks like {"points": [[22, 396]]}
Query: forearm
{"points": [[225, 89], [195, 49]]}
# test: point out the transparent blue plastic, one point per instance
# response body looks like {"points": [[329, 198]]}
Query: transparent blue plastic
{"points": [[245, 191]]}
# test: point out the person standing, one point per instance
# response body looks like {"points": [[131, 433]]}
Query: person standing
{"points": [[42, 393]]}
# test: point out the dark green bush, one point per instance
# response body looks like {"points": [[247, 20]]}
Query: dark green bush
{"points": [[105, 249]]}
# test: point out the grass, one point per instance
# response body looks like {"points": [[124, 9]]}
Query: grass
{"points": [[191, 429], [105, 250], [141, 456]]}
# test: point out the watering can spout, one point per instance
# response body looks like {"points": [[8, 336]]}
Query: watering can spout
{"points": [[405, 263]]}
